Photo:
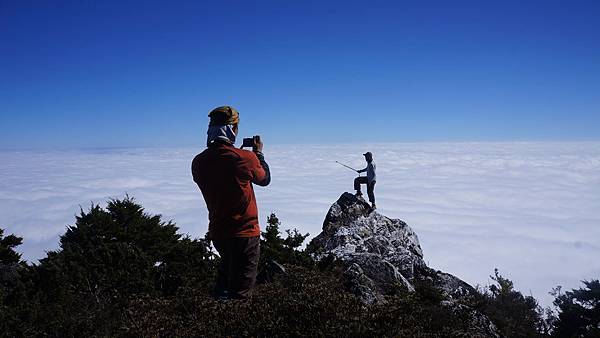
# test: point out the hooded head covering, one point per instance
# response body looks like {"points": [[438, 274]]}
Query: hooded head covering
{"points": [[220, 127], [222, 133]]}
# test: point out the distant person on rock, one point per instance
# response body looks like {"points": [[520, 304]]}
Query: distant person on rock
{"points": [[225, 175], [369, 180]]}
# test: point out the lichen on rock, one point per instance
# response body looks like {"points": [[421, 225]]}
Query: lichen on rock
{"points": [[380, 255]]}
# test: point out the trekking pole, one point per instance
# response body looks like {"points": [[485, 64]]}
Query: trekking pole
{"points": [[349, 167]]}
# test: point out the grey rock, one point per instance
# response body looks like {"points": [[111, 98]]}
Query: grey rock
{"points": [[380, 255], [387, 250]]}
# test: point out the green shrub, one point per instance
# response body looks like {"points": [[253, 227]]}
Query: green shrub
{"points": [[514, 314], [122, 272], [579, 311], [283, 250], [109, 256], [304, 303], [14, 284]]}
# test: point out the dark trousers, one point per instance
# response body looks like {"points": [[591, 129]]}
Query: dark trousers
{"points": [[370, 187], [239, 261]]}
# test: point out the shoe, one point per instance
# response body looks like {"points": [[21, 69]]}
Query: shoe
{"points": [[358, 193], [373, 206]]}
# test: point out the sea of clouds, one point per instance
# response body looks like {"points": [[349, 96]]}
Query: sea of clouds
{"points": [[532, 210]]}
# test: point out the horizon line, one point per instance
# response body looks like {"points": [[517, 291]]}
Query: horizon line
{"points": [[326, 143]]}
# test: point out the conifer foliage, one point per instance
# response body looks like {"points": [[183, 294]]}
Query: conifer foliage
{"points": [[579, 311], [14, 284], [8, 255], [514, 314], [282, 250], [107, 258], [120, 271]]}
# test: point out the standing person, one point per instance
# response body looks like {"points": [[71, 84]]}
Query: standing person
{"points": [[225, 176], [369, 180]]}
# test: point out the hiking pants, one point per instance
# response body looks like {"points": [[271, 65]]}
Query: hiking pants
{"points": [[239, 261], [370, 187]]}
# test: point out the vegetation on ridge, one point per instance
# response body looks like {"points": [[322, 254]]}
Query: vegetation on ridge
{"points": [[123, 272]]}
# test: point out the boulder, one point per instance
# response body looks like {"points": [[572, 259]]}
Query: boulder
{"points": [[379, 252], [380, 255]]}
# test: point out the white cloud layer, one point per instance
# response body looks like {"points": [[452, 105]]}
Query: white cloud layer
{"points": [[529, 209]]}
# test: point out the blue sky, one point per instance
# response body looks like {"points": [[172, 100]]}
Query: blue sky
{"points": [[145, 73]]}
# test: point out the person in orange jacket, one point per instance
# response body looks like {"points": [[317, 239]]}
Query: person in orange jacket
{"points": [[225, 175]]}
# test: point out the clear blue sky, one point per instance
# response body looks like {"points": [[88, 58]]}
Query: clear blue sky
{"points": [[146, 73]]}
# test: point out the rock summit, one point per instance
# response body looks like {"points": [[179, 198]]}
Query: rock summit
{"points": [[380, 255]]}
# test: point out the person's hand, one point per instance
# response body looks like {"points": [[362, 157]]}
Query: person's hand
{"points": [[258, 145]]}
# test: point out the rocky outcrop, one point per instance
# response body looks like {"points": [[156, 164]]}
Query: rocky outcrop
{"points": [[380, 255], [380, 252]]}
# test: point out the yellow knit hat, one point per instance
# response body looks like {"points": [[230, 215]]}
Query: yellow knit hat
{"points": [[224, 115]]}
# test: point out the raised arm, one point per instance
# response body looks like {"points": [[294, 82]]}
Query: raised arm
{"points": [[262, 178]]}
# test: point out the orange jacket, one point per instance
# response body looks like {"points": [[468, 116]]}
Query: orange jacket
{"points": [[225, 175]]}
